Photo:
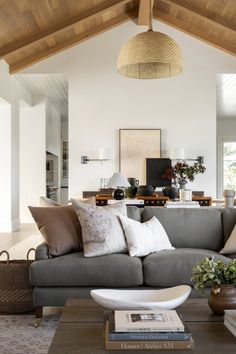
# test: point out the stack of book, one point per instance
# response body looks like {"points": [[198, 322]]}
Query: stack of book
{"points": [[182, 204], [146, 330], [230, 321]]}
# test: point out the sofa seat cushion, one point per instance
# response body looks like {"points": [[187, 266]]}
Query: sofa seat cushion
{"points": [[74, 269], [190, 227], [174, 267]]}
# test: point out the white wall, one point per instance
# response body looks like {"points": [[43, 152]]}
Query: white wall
{"points": [[10, 94], [32, 156], [101, 102], [5, 160], [6, 79], [53, 129]]}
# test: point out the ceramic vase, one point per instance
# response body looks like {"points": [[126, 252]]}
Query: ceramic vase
{"points": [[171, 192], [131, 191], [224, 299], [182, 184], [229, 198], [146, 190]]}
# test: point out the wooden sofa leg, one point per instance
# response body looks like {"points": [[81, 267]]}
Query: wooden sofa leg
{"points": [[38, 315]]}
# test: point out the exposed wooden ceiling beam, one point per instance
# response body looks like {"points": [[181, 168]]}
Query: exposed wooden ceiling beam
{"points": [[207, 15], [193, 31], [28, 61], [144, 12], [99, 9]]}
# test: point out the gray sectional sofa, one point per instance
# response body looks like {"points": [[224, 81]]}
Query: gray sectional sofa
{"points": [[195, 234]]}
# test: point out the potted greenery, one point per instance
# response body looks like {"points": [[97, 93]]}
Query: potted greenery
{"points": [[182, 172], [221, 277]]}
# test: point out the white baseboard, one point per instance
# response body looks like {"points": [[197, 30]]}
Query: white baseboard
{"points": [[10, 226]]}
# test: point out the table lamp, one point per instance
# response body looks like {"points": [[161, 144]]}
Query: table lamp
{"points": [[118, 181]]}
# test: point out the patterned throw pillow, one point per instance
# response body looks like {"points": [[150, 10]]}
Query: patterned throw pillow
{"points": [[145, 238], [101, 228]]}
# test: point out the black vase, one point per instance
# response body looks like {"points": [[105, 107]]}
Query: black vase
{"points": [[130, 192], [146, 191], [170, 192], [118, 194]]}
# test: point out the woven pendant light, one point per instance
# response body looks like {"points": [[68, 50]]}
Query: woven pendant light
{"points": [[150, 55]]}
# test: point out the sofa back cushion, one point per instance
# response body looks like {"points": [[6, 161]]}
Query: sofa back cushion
{"points": [[189, 227], [134, 212]]}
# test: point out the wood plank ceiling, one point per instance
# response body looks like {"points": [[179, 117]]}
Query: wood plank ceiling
{"points": [[33, 30]]}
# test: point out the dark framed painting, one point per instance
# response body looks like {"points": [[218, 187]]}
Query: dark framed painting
{"points": [[155, 170], [135, 146]]}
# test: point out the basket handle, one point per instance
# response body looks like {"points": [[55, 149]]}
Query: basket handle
{"points": [[8, 256], [28, 253]]}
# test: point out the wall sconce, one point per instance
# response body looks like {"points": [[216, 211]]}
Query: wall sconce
{"points": [[179, 154], [104, 155], [199, 159]]}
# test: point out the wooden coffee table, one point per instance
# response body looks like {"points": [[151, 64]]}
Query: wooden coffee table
{"points": [[81, 330]]}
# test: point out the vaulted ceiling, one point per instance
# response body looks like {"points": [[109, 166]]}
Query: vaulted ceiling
{"points": [[33, 30]]}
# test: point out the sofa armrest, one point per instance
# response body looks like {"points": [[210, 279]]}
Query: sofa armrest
{"points": [[41, 252]]}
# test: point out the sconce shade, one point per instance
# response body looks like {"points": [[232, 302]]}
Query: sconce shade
{"points": [[150, 55], [105, 154], [177, 154], [118, 180]]}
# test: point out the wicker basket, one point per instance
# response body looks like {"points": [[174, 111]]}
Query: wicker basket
{"points": [[16, 293]]}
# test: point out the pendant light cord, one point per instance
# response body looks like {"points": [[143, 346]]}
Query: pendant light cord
{"points": [[151, 2]]}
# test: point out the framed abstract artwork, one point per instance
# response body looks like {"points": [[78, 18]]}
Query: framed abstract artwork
{"points": [[135, 146]]}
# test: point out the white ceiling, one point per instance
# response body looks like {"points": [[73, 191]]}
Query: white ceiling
{"points": [[226, 95], [53, 86]]}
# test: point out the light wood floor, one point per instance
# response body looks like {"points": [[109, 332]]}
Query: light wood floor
{"points": [[8, 240]]}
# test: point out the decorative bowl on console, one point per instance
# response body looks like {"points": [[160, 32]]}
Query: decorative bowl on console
{"points": [[146, 191], [167, 299]]}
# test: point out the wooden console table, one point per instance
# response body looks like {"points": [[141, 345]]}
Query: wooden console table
{"points": [[203, 201], [154, 200], [101, 200]]}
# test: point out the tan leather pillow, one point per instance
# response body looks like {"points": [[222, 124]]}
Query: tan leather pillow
{"points": [[60, 228]]}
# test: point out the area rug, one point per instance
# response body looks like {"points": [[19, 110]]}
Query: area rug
{"points": [[18, 334]]}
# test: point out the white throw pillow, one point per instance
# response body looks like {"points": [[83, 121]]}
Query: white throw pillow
{"points": [[102, 232], [145, 238], [230, 246]]}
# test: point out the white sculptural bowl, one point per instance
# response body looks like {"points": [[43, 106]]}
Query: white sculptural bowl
{"points": [[166, 299]]}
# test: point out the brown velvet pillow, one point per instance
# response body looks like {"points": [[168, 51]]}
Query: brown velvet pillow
{"points": [[60, 228]]}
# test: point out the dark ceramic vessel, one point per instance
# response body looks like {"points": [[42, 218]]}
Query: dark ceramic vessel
{"points": [[170, 192], [146, 191], [131, 191], [118, 194], [224, 299]]}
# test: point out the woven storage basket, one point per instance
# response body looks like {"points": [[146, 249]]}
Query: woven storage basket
{"points": [[16, 293]]}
